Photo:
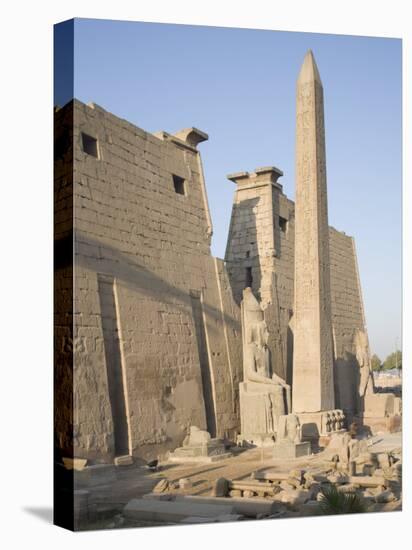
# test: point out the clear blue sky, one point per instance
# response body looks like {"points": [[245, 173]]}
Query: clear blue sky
{"points": [[239, 86]]}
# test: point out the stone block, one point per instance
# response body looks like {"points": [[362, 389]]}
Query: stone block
{"points": [[125, 460], [162, 486], [185, 483], [296, 498], [379, 405], [384, 496], [289, 450], [220, 487], [172, 511], [318, 424], [209, 451], [249, 507], [397, 406], [75, 463]]}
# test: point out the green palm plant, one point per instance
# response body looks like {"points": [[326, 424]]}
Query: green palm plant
{"points": [[333, 502]]}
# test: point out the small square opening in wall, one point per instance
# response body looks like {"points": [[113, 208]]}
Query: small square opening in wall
{"points": [[89, 144], [283, 224], [179, 185]]}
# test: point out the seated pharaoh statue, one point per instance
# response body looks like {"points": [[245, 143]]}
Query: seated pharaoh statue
{"points": [[264, 396]]}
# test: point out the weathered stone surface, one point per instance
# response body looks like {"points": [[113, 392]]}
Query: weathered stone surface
{"points": [[250, 507], [196, 437], [185, 483], [162, 486], [220, 487], [338, 478], [74, 463], [260, 489], [313, 385], [257, 242], [384, 496], [262, 394], [289, 439], [323, 423], [348, 449], [163, 511], [125, 460], [288, 450], [368, 481], [155, 324], [295, 498], [379, 405], [198, 446]]}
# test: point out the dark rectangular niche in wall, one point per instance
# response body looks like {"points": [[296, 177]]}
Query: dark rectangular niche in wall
{"points": [[179, 185], [283, 224], [113, 363], [248, 277], [197, 311], [89, 144]]}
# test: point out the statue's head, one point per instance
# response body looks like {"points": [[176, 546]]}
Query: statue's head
{"points": [[251, 306], [263, 330]]}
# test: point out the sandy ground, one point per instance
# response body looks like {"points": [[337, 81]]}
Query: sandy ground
{"points": [[134, 481]]}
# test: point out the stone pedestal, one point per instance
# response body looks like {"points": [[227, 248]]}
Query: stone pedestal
{"points": [[260, 406], [379, 405], [198, 446], [211, 451], [288, 449], [321, 424], [382, 412]]}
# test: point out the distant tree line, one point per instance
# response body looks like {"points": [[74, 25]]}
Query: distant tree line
{"points": [[393, 361]]}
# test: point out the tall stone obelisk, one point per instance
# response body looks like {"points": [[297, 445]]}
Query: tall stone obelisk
{"points": [[313, 389]]}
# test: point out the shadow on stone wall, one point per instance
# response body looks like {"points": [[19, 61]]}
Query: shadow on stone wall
{"points": [[128, 270], [242, 252], [346, 382]]}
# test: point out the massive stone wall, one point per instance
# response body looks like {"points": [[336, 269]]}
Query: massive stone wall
{"points": [[347, 318], [155, 322], [152, 343], [63, 279], [260, 210]]}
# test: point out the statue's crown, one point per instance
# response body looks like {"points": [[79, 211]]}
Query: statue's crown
{"points": [[249, 300]]}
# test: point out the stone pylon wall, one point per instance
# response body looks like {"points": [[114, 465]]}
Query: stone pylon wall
{"points": [[346, 297], [260, 242], [155, 324]]}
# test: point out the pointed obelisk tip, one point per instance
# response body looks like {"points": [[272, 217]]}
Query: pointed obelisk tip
{"points": [[309, 71]]}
